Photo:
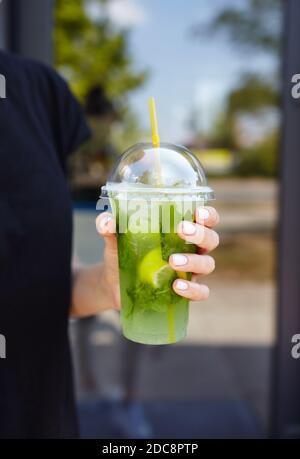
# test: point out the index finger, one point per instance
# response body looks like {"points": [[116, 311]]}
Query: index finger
{"points": [[207, 216], [105, 224]]}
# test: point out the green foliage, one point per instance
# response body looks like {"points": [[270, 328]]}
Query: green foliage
{"points": [[128, 132], [92, 52], [149, 298], [253, 94], [222, 134], [171, 243], [261, 159], [253, 24]]}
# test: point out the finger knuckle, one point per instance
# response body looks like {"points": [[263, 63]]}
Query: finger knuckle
{"points": [[194, 291], [201, 232], [204, 292], [200, 294], [217, 220], [216, 239], [204, 264], [214, 212], [214, 215], [101, 217], [98, 223], [211, 264]]}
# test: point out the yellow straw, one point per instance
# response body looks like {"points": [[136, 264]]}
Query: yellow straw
{"points": [[154, 126], [157, 165], [171, 324], [155, 140]]}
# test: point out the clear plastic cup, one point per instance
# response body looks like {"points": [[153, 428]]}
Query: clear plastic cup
{"points": [[148, 209]]}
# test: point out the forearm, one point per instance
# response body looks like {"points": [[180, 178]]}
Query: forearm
{"points": [[90, 292]]}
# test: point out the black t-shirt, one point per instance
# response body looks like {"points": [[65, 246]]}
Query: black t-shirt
{"points": [[40, 124]]}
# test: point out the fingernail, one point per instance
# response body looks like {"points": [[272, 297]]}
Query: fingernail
{"points": [[203, 214], [103, 222], [188, 228], [179, 260], [181, 285]]}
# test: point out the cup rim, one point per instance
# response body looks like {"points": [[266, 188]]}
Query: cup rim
{"points": [[110, 188]]}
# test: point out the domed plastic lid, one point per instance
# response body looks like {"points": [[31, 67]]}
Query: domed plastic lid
{"points": [[168, 169]]}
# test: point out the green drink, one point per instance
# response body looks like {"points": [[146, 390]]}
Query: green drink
{"points": [[151, 311], [147, 217]]}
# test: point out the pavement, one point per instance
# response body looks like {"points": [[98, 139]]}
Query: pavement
{"points": [[168, 420], [246, 205]]}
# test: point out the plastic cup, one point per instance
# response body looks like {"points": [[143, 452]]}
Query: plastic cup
{"points": [[147, 217]]}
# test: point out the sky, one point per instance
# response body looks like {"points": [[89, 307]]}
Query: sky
{"points": [[186, 74]]}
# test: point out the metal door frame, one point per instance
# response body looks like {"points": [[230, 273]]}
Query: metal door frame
{"points": [[27, 28], [285, 383]]}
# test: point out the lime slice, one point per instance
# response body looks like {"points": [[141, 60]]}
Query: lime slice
{"points": [[163, 276], [154, 270]]}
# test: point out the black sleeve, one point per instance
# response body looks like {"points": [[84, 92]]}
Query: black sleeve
{"points": [[69, 126]]}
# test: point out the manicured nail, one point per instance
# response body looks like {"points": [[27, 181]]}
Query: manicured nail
{"points": [[188, 228], [181, 285], [179, 260], [103, 222], [203, 214]]}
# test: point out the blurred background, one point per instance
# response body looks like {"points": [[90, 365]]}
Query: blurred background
{"points": [[214, 69]]}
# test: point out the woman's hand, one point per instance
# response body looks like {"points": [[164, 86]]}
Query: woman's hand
{"points": [[200, 264], [96, 287], [106, 227]]}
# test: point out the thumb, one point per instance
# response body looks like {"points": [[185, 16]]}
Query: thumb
{"points": [[106, 227]]}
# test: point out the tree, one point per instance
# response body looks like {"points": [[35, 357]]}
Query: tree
{"points": [[91, 52], [256, 26], [93, 55], [251, 24], [252, 96], [260, 159]]}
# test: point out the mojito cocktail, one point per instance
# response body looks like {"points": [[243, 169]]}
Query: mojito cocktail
{"points": [[152, 312], [152, 188]]}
